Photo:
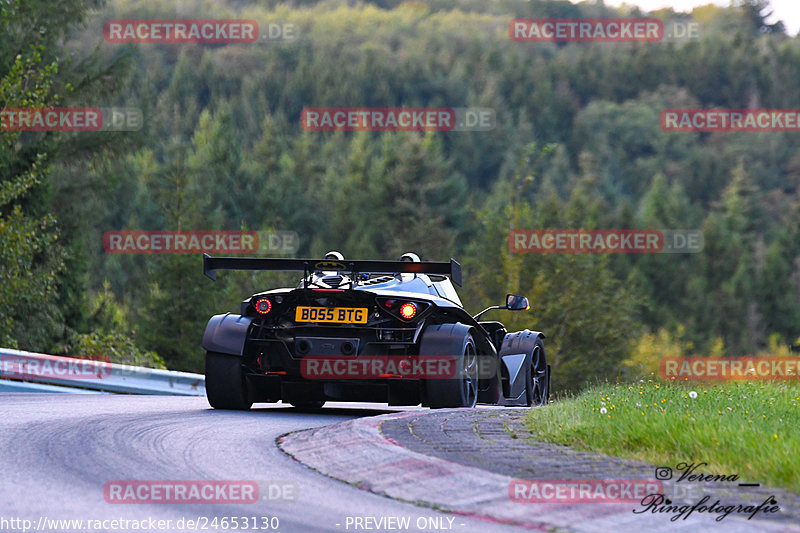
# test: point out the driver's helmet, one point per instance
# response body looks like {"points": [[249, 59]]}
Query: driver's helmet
{"points": [[332, 256], [329, 278], [410, 257]]}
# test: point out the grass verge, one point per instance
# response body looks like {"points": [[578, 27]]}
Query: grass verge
{"points": [[746, 428]]}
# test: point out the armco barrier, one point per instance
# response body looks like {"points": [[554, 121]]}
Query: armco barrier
{"points": [[15, 375], [7, 385]]}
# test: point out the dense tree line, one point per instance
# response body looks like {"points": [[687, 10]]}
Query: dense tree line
{"points": [[577, 144]]}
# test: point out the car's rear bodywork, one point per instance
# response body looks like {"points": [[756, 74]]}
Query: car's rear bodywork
{"points": [[356, 316]]}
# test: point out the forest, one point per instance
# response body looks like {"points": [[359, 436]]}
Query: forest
{"points": [[577, 143]]}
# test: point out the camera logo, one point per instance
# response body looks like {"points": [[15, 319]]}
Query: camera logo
{"points": [[663, 473]]}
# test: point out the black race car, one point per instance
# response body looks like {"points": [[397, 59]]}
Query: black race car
{"points": [[368, 331]]}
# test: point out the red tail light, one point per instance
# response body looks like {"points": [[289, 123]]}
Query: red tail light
{"points": [[408, 310], [263, 306], [401, 308]]}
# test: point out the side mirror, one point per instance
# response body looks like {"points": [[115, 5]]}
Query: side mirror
{"points": [[515, 302]]}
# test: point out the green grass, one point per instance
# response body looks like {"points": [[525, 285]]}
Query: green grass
{"points": [[747, 428]]}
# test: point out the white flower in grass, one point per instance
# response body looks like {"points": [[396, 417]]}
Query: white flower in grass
{"points": [[603, 410], [692, 394]]}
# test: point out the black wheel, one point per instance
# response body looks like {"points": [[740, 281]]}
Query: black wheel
{"points": [[308, 406], [226, 386], [462, 389], [537, 385]]}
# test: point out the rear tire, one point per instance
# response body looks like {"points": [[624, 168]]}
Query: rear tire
{"points": [[462, 389], [226, 384]]}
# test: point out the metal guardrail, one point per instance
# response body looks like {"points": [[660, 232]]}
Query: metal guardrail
{"points": [[7, 385], [35, 372]]}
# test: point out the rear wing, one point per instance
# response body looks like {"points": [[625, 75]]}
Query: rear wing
{"points": [[307, 266]]}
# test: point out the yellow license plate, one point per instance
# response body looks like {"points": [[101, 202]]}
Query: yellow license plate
{"points": [[336, 315]]}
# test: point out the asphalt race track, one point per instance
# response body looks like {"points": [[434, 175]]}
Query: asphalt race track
{"points": [[60, 451]]}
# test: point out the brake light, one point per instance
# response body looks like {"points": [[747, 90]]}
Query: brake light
{"points": [[263, 306], [408, 310]]}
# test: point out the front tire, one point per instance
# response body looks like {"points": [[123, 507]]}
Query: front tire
{"points": [[226, 384], [537, 385]]}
